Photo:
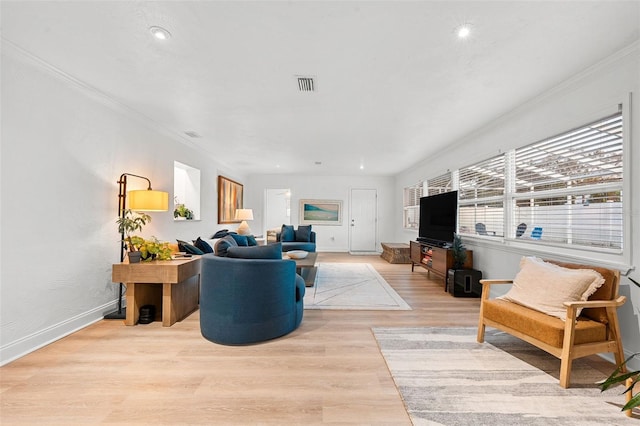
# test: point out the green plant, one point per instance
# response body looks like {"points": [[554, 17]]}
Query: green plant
{"points": [[129, 223], [154, 249], [182, 211], [459, 252], [630, 378]]}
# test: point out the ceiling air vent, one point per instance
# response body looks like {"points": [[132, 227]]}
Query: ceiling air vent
{"points": [[306, 84]]}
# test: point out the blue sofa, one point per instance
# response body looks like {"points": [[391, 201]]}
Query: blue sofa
{"points": [[291, 239], [251, 300]]}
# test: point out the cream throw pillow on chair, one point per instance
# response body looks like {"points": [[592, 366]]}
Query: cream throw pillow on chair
{"points": [[545, 287]]}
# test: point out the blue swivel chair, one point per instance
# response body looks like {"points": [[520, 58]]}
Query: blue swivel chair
{"points": [[245, 301]]}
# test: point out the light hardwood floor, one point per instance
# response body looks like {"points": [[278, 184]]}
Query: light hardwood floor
{"points": [[328, 371]]}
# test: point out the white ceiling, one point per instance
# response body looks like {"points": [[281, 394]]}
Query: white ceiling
{"points": [[394, 83]]}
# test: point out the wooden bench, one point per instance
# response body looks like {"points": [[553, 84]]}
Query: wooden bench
{"points": [[396, 252], [596, 330]]}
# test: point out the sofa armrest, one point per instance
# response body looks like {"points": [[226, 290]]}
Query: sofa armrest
{"points": [[486, 287], [597, 303]]}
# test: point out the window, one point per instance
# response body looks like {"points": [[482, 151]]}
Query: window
{"points": [[569, 187], [566, 190], [412, 195], [440, 184], [481, 189], [411, 205]]}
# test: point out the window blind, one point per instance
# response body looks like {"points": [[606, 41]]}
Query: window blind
{"points": [[481, 189], [569, 187], [439, 184], [411, 206]]}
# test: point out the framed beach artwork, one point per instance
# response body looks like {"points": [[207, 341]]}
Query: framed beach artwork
{"points": [[321, 212], [229, 199]]}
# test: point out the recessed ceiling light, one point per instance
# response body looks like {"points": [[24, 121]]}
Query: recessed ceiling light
{"points": [[160, 33], [464, 31]]}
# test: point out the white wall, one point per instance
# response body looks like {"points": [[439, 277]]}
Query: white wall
{"points": [[591, 95], [328, 238], [63, 148]]}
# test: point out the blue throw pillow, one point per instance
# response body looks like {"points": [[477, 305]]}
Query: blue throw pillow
{"points": [[270, 251], [203, 245], [223, 245], [188, 248], [240, 239], [303, 234], [287, 234], [251, 240]]}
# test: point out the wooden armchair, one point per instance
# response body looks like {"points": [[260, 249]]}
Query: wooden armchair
{"points": [[596, 330]]}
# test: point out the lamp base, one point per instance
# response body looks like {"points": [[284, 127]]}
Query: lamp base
{"points": [[117, 315], [244, 229]]}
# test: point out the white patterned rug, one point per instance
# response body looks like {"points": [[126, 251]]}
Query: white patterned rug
{"points": [[351, 286], [446, 378]]}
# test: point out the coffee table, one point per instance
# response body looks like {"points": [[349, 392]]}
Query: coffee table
{"points": [[307, 268]]}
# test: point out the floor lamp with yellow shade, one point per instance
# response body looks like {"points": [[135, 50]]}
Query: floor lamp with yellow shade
{"points": [[146, 200]]}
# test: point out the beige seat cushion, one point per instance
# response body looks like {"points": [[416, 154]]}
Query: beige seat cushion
{"points": [[545, 287], [541, 326]]}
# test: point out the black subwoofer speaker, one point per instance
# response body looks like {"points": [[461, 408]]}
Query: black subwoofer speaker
{"points": [[464, 282]]}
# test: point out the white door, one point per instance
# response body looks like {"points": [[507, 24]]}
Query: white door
{"points": [[363, 220], [277, 208]]}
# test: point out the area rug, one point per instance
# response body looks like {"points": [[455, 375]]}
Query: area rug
{"points": [[446, 378], [351, 286]]}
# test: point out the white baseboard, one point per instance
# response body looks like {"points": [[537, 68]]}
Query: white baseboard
{"points": [[11, 351]]}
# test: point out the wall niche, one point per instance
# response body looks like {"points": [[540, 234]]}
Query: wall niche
{"points": [[186, 192]]}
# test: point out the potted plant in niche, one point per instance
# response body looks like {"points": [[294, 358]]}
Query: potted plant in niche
{"points": [[129, 223], [461, 281], [181, 212]]}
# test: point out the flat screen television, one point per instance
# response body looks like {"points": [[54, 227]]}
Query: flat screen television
{"points": [[438, 218]]}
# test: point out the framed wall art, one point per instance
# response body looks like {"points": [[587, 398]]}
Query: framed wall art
{"points": [[321, 212], [229, 199]]}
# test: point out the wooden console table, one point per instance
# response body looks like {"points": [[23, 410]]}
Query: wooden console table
{"points": [[435, 259], [173, 285]]}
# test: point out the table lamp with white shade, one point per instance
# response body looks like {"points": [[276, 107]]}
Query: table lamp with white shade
{"points": [[244, 215]]}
